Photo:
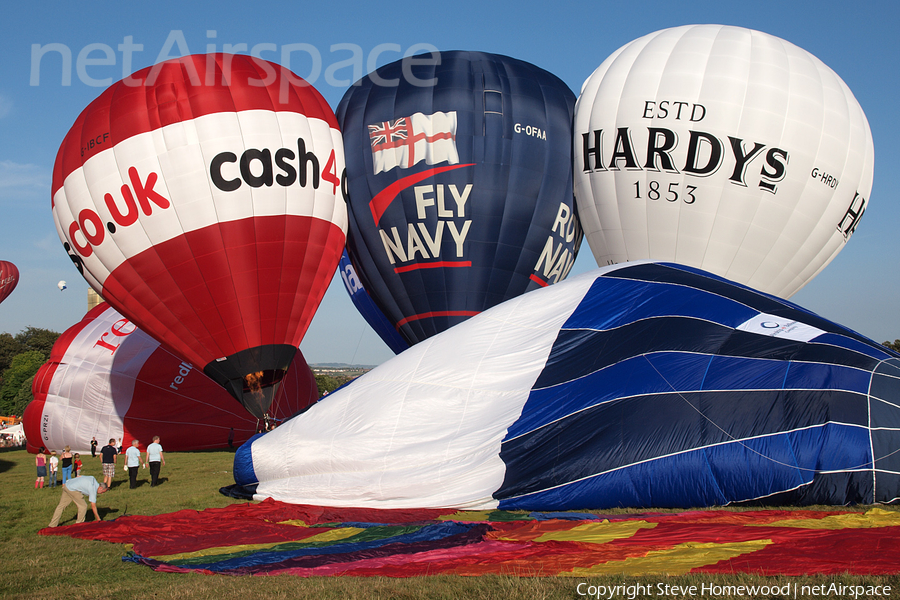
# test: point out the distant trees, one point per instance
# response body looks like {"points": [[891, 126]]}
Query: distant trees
{"points": [[21, 370], [20, 358], [329, 383], [895, 345]]}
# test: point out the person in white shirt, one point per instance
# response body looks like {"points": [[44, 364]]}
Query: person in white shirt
{"points": [[133, 462], [155, 459], [54, 466], [74, 490]]}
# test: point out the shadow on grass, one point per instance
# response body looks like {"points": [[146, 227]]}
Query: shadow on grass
{"points": [[107, 513]]}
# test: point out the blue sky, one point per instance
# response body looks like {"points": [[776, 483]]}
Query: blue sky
{"points": [[39, 102]]}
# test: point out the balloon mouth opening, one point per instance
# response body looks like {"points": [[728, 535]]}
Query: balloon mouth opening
{"points": [[253, 376], [259, 390]]}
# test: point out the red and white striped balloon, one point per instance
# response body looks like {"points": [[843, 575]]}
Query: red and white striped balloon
{"points": [[202, 198]]}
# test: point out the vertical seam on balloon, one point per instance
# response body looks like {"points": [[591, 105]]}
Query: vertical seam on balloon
{"points": [[521, 265], [499, 71], [785, 287], [871, 441], [217, 350], [712, 227], [219, 59], [139, 223]]}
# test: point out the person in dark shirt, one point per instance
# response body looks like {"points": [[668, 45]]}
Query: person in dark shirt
{"points": [[93, 447], [109, 452]]}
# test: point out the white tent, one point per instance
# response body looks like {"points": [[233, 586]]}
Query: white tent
{"points": [[17, 432]]}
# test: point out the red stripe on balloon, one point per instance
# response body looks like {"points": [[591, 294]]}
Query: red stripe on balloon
{"points": [[437, 313], [538, 280], [433, 265], [383, 199]]}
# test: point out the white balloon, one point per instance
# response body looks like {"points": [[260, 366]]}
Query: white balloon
{"points": [[721, 148], [61, 285]]}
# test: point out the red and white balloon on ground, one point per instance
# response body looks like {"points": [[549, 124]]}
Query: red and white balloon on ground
{"points": [[202, 198], [108, 379]]}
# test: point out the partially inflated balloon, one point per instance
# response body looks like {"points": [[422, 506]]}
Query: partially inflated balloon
{"points": [[460, 184], [202, 199], [367, 307], [721, 148], [642, 385], [108, 379], [9, 278]]}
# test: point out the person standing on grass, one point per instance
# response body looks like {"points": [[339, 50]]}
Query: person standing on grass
{"points": [[66, 463], [73, 491], [76, 464], [109, 452], [40, 461], [155, 459], [54, 465], [93, 447], [133, 462]]}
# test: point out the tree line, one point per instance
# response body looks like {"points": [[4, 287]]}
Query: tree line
{"points": [[21, 356]]}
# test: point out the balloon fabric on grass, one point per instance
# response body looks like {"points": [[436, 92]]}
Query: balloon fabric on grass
{"points": [[639, 385], [273, 538]]}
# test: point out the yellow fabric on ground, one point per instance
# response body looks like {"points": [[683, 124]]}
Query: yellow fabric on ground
{"points": [[678, 560], [875, 517], [597, 532]]}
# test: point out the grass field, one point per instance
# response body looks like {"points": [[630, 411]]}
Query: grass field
{"points": [[36, 566]]}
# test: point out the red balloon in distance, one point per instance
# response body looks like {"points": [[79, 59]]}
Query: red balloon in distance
{"points": [[202, 198], [108, 379], [9, 278]]}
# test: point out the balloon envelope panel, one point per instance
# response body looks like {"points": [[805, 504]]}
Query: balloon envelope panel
{"points": [[722, 148], [459, 177], [367, 307], [202, 198], [646, 385], [108, 379]]}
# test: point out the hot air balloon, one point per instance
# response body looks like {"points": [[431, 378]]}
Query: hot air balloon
{"points": [[61, 285], [643, 385], [108, 379], [202, 198], [367, 307], [9, 278], [459, 178], [722, 148]]}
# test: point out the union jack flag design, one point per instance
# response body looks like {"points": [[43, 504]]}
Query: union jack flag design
{"points": [[406, 141], [384, 134]]}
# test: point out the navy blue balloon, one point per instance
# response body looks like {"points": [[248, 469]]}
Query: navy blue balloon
{"points": [[459, 174], [367, 308]]}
